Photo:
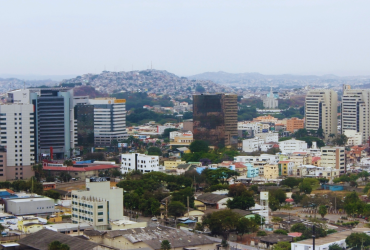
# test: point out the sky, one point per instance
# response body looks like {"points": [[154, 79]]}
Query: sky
{"points": [[43, 37]]}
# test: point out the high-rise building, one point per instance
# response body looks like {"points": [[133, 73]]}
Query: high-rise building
{"points": [[55, 126], [17, 140], [355, 111], [321, 111], [109, 120], [271, 101], [84, 116], [215, 119]]}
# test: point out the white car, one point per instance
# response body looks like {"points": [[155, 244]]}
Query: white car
{"points": [[154, 219]]}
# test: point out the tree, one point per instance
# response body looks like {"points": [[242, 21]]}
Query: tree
{"points": [[246, 225], [278, 194], [276, 219], [299, 227], [219, 175], [290, 182], [65, 177], [199, 227], [340, 140], [97, 156], [261, 233], [57, 245], [221, 222], [199, 88], [320, 133], [305, 187], [2, 228], [199, 146], [282, 245], [39, 172], [154, 151], [52, 194], [236, 190], [357, 240], [68, 163], [167, 131], [281, 231], [335, 246], [50, 178], [176, 209], [165, 245], [243, 202], [323, 211]]}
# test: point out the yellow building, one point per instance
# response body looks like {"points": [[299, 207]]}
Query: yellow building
{"points": [[198, 215], [173, 164], [29, 224], [286, 168], [270, 171]]}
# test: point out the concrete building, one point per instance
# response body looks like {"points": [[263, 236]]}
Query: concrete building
{"points": [[354, 137], [215, 119], [270, 101], [355, 111], [321, 111], [34, 205], [17, 128], [292, 145], [333, 157], [252, 145], [271, 171], [173, 164], [286, 168], [29, 224], [294, 124], [268, 137], [252, 171], [140, 162], [109, 120], [98, 204]]}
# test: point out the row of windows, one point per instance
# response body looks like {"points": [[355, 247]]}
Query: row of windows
{"points": [[45, 207]]}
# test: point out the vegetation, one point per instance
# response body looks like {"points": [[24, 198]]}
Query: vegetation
{"points": [[357, 241], [261, 233], [52, 194], [281, 231], [57, 245], [165, 245], [282, 245], [154, 151], [140, 116], [323, 211], [139, 99]]}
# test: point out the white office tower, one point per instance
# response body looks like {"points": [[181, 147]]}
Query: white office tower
{"points": [[17, 127], [321, 111], [355, 111], [109, 120], [264, 202]]}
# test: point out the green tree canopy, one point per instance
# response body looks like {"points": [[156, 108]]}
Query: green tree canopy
{"points": [[154, 151], [165, 245], [291, 182], [282, 245], [323, 211], [198, 146], [357, 240], [222, 222], [176, 208], [57, 245]]}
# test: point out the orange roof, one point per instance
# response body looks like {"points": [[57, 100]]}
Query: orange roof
{"points": [[239, 165], [284, 161], [315, 159]]}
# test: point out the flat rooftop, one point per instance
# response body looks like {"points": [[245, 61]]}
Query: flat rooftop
{"points": [[332, 237], [37, 199]]}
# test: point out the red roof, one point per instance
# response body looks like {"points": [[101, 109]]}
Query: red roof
{"points": [[295, 234], [289, 200], [284, 161], [315, 159], [83, 169], [239, 165]]}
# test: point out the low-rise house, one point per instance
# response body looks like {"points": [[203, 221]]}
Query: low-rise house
{"points": [[29, 224], [292, 145], [42, 239], [173, 164], [150, 238], [214, 200], [267, 242]]}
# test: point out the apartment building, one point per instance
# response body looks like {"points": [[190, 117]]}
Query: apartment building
{"points": [[139, 162], [252, 145], [271, 171], [333, 157], [356, 112], [98, 204], [321, 111], [294, 124], [292, 145], [286, 168]]}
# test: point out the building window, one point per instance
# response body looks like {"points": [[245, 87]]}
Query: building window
{"points": [[100, 206], [100, 220], [100, 213]]}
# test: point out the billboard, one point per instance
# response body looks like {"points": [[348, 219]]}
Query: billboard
{"points": [[122, 145]]}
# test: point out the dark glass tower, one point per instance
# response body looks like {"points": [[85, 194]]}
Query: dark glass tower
{"points": [[215, 119], [84, 115]]}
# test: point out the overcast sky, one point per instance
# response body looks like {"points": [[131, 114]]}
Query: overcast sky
{"points": [[185, 37]]}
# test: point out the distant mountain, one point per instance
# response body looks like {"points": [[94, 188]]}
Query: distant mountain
{"points": [[227, 78], [37, 77], [7, 84]]}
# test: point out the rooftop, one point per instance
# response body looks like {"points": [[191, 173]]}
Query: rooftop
{"points": [[37, 199], [330, 238]]}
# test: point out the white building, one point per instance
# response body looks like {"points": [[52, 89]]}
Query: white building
{"points": [[292, 145], [355, 111], [267, 158], [354, 137], [320, 172], [34, 205], [252, 145], [266, 146], [98, 204], [268, 137], [255, 127], [17, 128], [314, 150], [109, 120], [270, 102], [333, 157], [321, 111], [140, 162]]}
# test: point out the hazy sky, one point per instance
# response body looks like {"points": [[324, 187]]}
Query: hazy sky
{"points": [[185, 37]]}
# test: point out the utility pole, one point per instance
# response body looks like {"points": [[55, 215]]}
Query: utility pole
{"points": [[188, 206], [335, 206], [313, 237]]}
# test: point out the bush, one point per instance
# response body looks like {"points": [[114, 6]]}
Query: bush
{"points": [[261, 233], [330, 231], [281, 231]]}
